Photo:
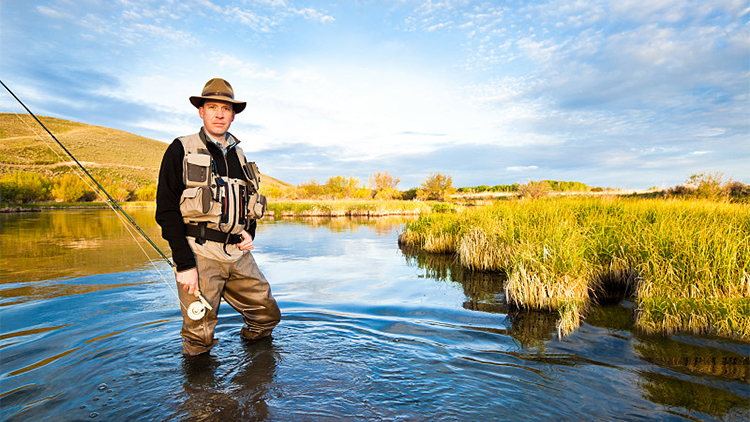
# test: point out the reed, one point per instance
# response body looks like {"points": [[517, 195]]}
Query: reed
{"points": [[687, 263]]}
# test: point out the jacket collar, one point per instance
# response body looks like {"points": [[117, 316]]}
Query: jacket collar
{"points": [[207, 140]]}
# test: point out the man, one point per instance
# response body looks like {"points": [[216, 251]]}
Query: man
{"points": [[205, 207]]}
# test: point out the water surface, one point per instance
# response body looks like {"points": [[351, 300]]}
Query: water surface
{"points": [[89, 327]]}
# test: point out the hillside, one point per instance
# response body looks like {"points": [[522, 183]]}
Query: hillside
{"points": [[108, 154]]}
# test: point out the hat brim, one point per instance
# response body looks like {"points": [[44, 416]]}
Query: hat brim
{"points": [[237, 106]]}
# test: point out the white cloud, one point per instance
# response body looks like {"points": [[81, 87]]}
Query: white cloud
{"points": [[516, 169], [251, 19], [639, 84], [314, 15], [52, 13]]}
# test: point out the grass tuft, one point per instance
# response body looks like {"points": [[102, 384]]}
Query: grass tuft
{"points": [[685, 263]]}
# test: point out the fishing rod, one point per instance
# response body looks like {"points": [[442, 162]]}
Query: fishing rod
{"points": [[194, 312], [111, 200]]}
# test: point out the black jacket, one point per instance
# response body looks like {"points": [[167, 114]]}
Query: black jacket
{"points": [[170, 189]]}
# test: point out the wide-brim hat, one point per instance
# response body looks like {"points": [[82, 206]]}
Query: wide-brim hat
{"points": [[220, 90]]}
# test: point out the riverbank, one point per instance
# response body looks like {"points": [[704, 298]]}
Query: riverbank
{"points": [[685, 263], [300, 208], [352, 208], [6, 207]]}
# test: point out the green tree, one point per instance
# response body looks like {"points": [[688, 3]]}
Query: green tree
{"points": [[437, 187]]}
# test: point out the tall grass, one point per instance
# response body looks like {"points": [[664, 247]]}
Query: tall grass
{"points": [[347, 208], [686, 263]]}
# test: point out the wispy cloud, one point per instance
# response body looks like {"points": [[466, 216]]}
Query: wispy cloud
{"points": [[609, 92]]}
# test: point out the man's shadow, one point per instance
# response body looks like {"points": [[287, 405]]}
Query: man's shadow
{"points": [[240, 398]]}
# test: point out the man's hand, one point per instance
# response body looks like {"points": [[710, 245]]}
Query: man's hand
{"points": [[188, 280], [247, 242]]}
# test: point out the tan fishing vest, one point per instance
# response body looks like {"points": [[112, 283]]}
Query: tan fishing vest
{"points": [[223, 203]]}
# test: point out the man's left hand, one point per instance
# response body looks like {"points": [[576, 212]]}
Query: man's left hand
{"points": [[247, 242]]}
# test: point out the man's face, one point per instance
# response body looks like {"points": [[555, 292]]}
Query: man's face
{"points": [[217, 117]]}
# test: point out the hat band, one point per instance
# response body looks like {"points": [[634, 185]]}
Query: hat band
{"points": [[223, 94]]}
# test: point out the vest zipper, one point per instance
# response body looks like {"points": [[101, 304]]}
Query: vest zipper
{"points": [[231, 205]]}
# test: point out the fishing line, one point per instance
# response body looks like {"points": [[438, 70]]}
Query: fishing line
{"points": [[196, 310], [94, 189], [75, 170]]}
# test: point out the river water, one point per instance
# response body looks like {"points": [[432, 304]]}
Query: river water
{"points": [[90, 331]]}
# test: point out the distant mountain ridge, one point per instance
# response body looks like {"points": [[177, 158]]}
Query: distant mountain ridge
{"points": [[106, 153]]}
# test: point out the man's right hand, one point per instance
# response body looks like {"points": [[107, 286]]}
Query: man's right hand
{"points": [[188, 279]]}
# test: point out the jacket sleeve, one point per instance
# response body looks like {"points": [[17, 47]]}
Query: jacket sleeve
{"points": [[168, 216], [250, 228]]}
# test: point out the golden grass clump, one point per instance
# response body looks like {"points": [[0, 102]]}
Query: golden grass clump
{"points": [[727, 317], [484, 249], [565, 293], [686, 263]]}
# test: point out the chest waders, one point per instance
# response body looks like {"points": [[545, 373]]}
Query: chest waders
{"points": [[215, 207]]}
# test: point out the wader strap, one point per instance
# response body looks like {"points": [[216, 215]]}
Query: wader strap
{"points": [[201, 233]]}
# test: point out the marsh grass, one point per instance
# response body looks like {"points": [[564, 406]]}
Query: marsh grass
{"points": [[346, 208], [685, 262]]}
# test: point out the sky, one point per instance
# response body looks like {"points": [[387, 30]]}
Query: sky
{"points": [[626, 94]]}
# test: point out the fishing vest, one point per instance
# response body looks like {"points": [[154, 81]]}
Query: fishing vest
{"points": [[218, 202]]}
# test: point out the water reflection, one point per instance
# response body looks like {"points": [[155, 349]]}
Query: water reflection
{"points": [[206, 398], [369, 332], [58, 244], [484, 292], [381, 226], [708, 368], [677, 393]]}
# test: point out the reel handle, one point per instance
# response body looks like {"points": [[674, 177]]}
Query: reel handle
{"points": [[197, 293]]}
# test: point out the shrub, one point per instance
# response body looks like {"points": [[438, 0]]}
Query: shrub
{"points": [[118, 191], [410, 194], [534, 189], [310, 190], [145, 193], [70, 188], [23, 186], [706, 185], [385, 194], [340, 187], [737, 190]]}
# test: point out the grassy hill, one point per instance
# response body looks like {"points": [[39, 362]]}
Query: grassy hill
{"points": [[108, 154]]}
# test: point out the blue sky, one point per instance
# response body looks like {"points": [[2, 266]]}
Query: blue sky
{"points": [[613, 93]]}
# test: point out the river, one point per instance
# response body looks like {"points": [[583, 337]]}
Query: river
{"points": [[90, 325]]}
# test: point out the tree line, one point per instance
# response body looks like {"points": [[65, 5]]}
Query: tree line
{"points": [[28, 186]]}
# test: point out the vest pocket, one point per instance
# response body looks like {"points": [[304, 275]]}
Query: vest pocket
{"points": [[197, 202], [256, 206], [197, 170]]}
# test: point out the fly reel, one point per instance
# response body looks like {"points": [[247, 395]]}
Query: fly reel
{"points": [[196, 310]]}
